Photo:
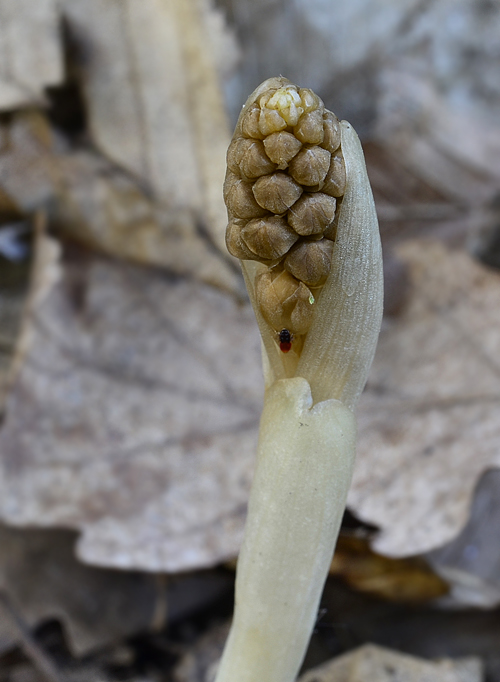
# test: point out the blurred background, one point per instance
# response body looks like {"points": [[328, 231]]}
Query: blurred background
{"points": [[130, 372]]}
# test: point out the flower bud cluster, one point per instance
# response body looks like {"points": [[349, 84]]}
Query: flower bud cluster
{"points": [[285, 176]]}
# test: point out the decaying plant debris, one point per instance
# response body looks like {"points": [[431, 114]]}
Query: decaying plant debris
{"points": [[130, 447]]}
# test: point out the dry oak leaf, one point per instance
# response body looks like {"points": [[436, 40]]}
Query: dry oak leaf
{"points": [[142, 397], [429, 421], [134, 417]]}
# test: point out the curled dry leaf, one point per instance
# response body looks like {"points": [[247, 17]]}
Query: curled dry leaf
{"points": [[428, 421], [102, 207], [86, 197], [154, 100], [31, 51], [25, 280]]}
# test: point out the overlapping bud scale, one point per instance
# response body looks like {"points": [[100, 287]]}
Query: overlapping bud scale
{"points": [[285, 177]]}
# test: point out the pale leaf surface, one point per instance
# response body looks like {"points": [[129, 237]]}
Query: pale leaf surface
{"points": [[134, 417], [429, 419], [373, 663]]}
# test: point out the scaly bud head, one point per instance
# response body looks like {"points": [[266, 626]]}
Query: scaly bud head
{"points": [[276, 192], [269, 238], [310, 166], [248, 159], [331, 132], [335, 179], [310, 100], [302, 244], [309, 129], [288, 103], [312, 214], [285, 301], [239, 198], [250, 123], [310, 262], [281, 148], [234, 242]]}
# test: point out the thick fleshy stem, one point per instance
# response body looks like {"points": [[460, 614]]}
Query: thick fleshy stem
{"points": [[308, 429]]}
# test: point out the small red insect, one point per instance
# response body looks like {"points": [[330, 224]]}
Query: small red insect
{"points": [[285, 340]]}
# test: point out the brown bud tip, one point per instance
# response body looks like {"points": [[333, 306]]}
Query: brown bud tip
{"points": [[239, 198], [281, 148], [250, 123], [270, 121], [312, 213], [285, 303], [309, 129], [331, 230], [310, 262], [269, 238], [310, 166], [331, 129], [287, 101], [276, 192], [310, 100], [335, 178], [254, 161], [234, 154], [234, 242]]}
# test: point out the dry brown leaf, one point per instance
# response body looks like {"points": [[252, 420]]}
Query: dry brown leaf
{"points": [[400, 580], [429, 419], [97, 607], [134, 417], [372, 663], [429, 143], [420, 77], [154, 99], [471, 561], [102, 207], [30, 51], [89, 198], [437, 105], [421, 395], [29, 150]]}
